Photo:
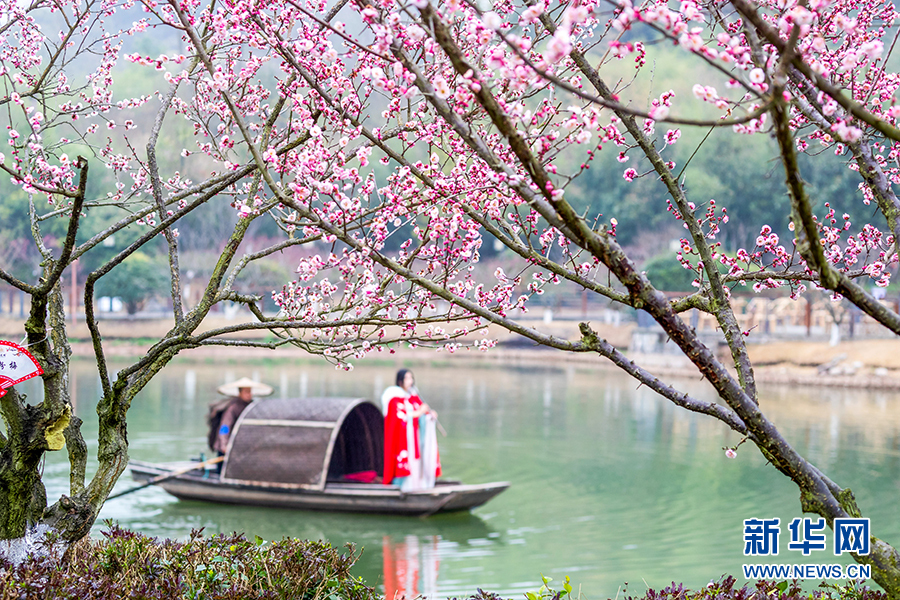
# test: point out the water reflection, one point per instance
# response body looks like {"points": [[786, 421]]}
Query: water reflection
{"points": [[609, 482], [190, 387], [410, 567]]}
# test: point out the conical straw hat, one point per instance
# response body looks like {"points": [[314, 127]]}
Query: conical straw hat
{"points": [[258, 389]]}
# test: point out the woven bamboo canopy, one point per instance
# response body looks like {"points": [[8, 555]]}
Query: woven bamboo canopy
{"points": [[305, 442]]}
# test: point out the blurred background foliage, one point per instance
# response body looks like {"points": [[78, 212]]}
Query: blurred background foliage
{"points": [[135, 280]]}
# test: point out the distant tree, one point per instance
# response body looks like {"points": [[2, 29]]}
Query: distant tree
{"points": [[135, 280], [18, 256], [668, 274]]}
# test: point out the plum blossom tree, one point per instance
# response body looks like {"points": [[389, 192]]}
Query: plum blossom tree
{"points": [[501, 100], [391, 139], [247, 122]]}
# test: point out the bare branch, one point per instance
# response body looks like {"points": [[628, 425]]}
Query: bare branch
{"points": [[156, 186], [593, 342], [63, 261]]}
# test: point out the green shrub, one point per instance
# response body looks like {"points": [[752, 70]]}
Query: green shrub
{"points": [[125, 564], [129, 565]]}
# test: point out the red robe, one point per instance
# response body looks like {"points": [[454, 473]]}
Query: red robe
{"points": [[396, 453]]}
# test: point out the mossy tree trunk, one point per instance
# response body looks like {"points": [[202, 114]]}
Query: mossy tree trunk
{"points": [[33, 429], [738, 404]]}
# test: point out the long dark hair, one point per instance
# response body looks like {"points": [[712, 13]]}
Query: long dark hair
{"points": [[401, 375]]}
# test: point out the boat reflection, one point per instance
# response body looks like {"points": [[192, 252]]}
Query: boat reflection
{"points": [[176, 518], [410, 567]]}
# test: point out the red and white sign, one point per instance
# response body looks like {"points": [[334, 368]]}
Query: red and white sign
{"points": [[16, 365]]}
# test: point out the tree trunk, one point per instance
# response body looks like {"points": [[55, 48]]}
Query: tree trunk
{"points": [[885, 562], [32, 431], [22, 494]]}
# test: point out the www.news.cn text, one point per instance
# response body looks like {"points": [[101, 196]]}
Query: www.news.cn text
{"points": [[824, 571]]}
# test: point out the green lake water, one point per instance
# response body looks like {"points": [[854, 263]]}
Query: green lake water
{"points": [[610, 483]]}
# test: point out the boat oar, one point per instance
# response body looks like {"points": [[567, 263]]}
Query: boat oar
{"points": [[167, 476]]}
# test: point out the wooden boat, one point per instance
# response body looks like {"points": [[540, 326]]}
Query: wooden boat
{"points": [[307, 454]]}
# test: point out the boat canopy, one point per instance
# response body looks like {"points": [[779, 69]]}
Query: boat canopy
{"points": [[305, 442]]}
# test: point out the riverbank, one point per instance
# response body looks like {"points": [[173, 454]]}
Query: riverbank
{"points": [[857, 363]]}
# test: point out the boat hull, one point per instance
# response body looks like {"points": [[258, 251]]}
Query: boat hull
{"points": [[337, 497]]}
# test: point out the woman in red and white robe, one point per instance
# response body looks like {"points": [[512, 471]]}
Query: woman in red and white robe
{"points": [[411, 457]]}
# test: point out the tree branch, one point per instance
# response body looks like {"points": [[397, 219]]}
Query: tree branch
{"points": [[808, 233], [156, 187], [69, 243], [592, 341], [719, 304], [748, 12]]}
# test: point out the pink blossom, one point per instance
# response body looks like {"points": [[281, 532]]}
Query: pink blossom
{"points": [[873, 49], [703, 92], [846, 23], [731, 452], [558, 46], [415, 33], [801, 16], [757, 75], [492, 21], [620, 49], [531, 14], [846, 132], [691, 41], [441, 88], [672, 136], [658, 113]]}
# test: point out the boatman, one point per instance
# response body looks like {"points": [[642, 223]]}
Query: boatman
{"points": [[224, 413]]}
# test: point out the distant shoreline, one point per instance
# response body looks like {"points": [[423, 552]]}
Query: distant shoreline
{"points": [[863, 364], [664, 366]]}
